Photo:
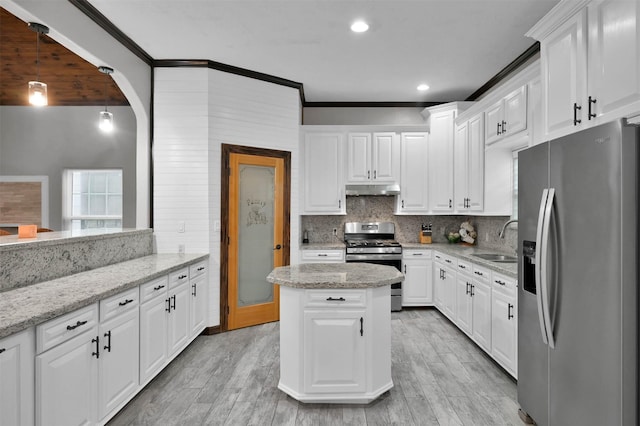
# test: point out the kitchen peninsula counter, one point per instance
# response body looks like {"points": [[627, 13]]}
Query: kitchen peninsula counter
{"points": [[335, 331], [27, 306]]}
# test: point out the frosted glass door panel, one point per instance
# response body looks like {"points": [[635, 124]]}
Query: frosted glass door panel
{"points": [[255, 234]]}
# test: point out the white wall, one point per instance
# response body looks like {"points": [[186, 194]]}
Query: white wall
{"points": [[196, 111]]}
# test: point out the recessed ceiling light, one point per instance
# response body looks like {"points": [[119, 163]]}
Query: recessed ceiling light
{"points": [[422, 87], [359, 27]]}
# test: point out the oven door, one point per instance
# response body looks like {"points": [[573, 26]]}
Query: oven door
{"points": [[388, 260]]}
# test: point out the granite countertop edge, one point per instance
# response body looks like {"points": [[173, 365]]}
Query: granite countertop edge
{"points": [[12, 242], [323, 276], [50, 299]]}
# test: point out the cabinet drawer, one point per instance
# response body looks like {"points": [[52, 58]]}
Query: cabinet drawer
{"points": [[465, 267], [445, 258], [416, 254], [121, 302], [198, 269], [178, 277], [503, 284], [65, 327], [322, 256], [154, 288], [481, 274], [335, 298]]}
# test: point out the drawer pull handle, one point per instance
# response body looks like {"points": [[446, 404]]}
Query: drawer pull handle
{"points": [[340, 299], [478, 273], [201, 268], [126, 302], [158, 288], [181, 277], [322, 255], [447, 260], [78, 324], [418, 254], [462, 266], [500, 282], [2, 350]]}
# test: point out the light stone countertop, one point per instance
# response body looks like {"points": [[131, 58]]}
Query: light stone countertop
{"points": [[335, 275], [338, 245], [42, 239], [28, 306]]}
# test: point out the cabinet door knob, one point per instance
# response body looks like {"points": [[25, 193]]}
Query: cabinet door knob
{"points": [[277, 247]]}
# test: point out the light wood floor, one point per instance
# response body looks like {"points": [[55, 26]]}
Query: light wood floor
{"points": [[440, 378]]}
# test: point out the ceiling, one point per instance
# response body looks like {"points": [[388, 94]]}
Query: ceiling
{"points": [[70, 79], [454, 46]]}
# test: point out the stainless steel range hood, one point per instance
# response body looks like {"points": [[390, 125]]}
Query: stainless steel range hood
{"points": [[356, 190]]}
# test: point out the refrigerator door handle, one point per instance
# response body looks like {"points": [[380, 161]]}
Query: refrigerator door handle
{"points": [[538, 264], [543, 267]]}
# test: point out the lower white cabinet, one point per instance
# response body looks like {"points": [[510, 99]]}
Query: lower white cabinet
{"points": [[179, 326], [445, 279], [17, 379], [198, 282], [322, 256], [330, 333], [504, 323], [464, 303], [417, 287], [481, 299]]}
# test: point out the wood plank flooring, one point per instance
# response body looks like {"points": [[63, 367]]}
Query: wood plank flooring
{"points": [[440, 378]]}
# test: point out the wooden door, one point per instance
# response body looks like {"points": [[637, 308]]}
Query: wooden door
{"points": [[257, 234]]}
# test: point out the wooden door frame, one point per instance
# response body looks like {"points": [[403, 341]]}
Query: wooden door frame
{"points": [[227, 150]]}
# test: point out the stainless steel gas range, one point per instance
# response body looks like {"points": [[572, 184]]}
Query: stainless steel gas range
{"points": [[374, 242]]}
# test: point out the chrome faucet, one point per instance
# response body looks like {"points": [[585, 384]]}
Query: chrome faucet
{"points": [[505, 226]]}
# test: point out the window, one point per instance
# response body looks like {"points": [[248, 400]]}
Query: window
{"points": [[92, 199]]}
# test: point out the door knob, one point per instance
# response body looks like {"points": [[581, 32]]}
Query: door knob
{"points": [[277, 247]]}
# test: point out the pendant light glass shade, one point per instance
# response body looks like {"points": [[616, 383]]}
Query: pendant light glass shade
{"points": [[106, 121], [38, 93], [38, 89]]}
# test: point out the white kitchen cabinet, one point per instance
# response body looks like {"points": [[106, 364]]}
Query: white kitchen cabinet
{"points": [[506, 117], [321, 256], [417, 287], [373, 157], [153, 328], [17, 378], [323, 171], [504, 322], [338, 344], [179, 328], [199, 283], [328, 333], [469, 165], [445, 285], [464, 303], [413, 198], [441, 161], [481, 299], [590, 54]]}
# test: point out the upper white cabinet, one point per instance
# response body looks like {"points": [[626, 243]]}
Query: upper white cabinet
{"points": [[373, 157], [323, 186], [469, 165], [507, 117], [590, 54], [414, 178]]}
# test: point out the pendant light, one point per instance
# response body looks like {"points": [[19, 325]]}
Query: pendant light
{"points": [[38, 89], [106, 118]]}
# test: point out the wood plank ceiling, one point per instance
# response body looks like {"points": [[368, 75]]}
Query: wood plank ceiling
{"points": [[71, 81]]}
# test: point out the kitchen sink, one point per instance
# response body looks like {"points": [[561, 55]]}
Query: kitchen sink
{"points": [[495, 257]]}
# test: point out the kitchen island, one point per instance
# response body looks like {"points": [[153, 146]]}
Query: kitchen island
{"points": [[335, 331]]}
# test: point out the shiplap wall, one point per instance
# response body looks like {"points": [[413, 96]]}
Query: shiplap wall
{"points": [[197, 110]]}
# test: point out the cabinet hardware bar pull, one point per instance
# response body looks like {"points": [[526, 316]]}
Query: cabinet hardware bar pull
{"points": [[500, 282], [467, 292], [418, 254], [201, 268], [375, 174], [193, 286], [340, 299], [368, 174], [97, 342], [126, 302], [504, 126], [403, 204], [339, 204], [2, 350], [158, 288], [174, 302], [447, 260], [168, 308], [361, 326], [462, 266], [575, 114], [181, 277], [108, 345], [450, 201], [590, 115], [498, 127], [509, 308], [323, 254], [405, 269], [78, 324]]}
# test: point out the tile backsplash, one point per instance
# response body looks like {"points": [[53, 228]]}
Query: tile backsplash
{"points": [[380, 208]]}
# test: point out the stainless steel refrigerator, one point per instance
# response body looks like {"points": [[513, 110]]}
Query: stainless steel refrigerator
{"points": [[578, 278]]}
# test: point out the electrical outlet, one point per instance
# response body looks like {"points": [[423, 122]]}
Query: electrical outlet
{"points": [[181, 248], [335, 232], [181, 226]]}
